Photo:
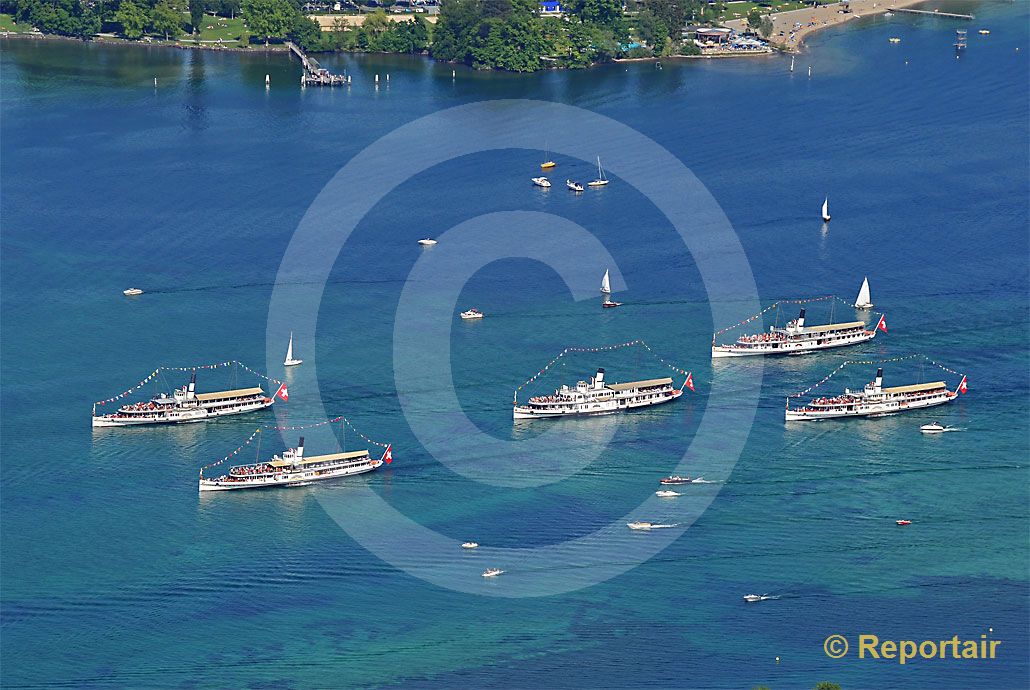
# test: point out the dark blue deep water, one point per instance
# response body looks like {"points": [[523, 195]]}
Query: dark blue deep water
{"points": [[115, 573]]}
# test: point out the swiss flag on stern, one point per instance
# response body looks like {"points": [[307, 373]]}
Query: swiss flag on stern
{"points": [[388, 455], [963, 386], [283, 393], [882, 323], [689, 383]]}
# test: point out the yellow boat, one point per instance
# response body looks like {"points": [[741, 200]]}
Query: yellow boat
{"points": [[547, 165]]}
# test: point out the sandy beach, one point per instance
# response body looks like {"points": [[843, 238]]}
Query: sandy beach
{"points": [[813, 20]]}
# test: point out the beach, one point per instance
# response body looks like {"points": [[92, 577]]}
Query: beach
{"points": [[816, 19]]}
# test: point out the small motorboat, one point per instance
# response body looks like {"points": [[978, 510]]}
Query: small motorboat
{"points": [[894, 39], [676, 479], [472, 313], [427, 242], [574, 186], [542, 182], [665, 493], [933, 428], [752, 598], [470, 545], [639, 524], [132, 292], [984, 32], [902, 523], [492, 572]]}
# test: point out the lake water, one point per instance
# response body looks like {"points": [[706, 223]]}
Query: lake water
{"points": [[116, 574]]}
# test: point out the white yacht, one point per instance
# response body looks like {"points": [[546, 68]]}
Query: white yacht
{"points": [[598, 397], [542, 182], [293, 469], [427, 242], [875, 400], [470, 545], [472, 313], [601, 179], [291, 361], [574, 186], [492, 572], [132, 292], [606, 290], [797, 338], [863, 299], [935, 428], [826, 201], [644, 525], [185, 405]]}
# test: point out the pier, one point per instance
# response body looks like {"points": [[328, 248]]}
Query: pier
{"points": [[315, 74], [934, 13]]}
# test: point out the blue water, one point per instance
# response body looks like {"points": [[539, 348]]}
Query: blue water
{"points": [[115, 574]]}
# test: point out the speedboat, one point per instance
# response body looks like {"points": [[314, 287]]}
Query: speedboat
{"points": [[676, 479], [541, 182], [492, 572], [427, 242], [933, 428], [574, 186], [472, 313], [132, 292], [752, 598], [894, 39], [667, 494], [639, 524], [470, 545], [984, 32], [903, 522]]}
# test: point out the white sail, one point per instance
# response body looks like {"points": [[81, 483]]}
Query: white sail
{"points": [[863, 301], [826, 208], [290, 361], [606, 286]]}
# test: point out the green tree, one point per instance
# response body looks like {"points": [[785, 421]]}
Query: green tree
{"points": [[602, 12], [305, 32], [826, 685], [89, 25], [196, 14], [165, 19], [765, 26], [133, 19], [652, 30], [269, 18]]}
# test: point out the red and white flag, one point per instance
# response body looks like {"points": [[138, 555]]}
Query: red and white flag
{"points": [[882, 323], [283, 393], [689, 383], [963, 386], [388, 455]]}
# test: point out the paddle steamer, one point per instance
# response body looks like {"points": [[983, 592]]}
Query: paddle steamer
{"points": [[293, 469], [598, 397], [797, 338], [185, 405], [875, 400]]}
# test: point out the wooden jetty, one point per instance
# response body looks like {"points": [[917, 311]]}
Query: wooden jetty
{"points": [[934, 13], [315, 74]]}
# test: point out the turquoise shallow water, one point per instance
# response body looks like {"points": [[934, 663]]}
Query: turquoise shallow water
{"points": [[115, 574]]}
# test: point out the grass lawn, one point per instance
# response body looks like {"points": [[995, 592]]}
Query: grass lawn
{"points": [[214, 28], [739, 10], [7, 24]]}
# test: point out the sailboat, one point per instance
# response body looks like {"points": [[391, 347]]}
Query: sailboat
{"points": [[548, 163], [601, 179], [792, 63], [606, 290], [290, 361], [862, 302], [826, 210]]}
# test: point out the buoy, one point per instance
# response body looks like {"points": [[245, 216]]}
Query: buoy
{"points": [[453, 72], [777, 660], [387, 76], [377, 79], [268, 80], [155, 81]]}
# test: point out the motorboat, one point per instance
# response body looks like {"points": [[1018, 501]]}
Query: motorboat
{"points": [[984, 32], [427, 242], [752, 598], [470, 545], [933, 428], [676, 479], [492, 572], [574, 186], [132, 292], [903, 522], [542, 182], [639, 524], [665, 493], [894, 39], [601, 179], [472, 313], [291, 361]]}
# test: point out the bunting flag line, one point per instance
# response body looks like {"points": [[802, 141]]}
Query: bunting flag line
{"points": [[157, 371], [778, 303], [245, 444], [876, 361], [607, 348], [334, 420]]}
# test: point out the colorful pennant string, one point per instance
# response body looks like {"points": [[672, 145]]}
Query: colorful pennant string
{"points": [[777, 304], [157, 371], [871, 361]]}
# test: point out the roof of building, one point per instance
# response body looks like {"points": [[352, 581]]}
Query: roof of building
{"points": [[349, 455], [237, 393], [915, 388], [834, 327], [630, 385]]}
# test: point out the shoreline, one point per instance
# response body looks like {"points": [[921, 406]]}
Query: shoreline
{"points": [[816, 19]]}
